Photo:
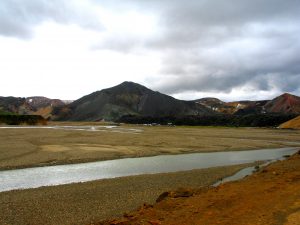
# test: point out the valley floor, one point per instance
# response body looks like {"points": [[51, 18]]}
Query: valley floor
{"points": [[91, 202], [21, 148]]}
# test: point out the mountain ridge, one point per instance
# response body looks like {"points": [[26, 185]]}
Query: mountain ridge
{"points": [[35, 105], [285, 103], [129, 98]]}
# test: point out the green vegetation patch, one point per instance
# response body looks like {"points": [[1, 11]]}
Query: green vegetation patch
{"points": [[14, 119], [249, 120]]}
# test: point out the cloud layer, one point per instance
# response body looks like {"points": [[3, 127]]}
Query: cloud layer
{"points": [[19, 17], [205, 46], [217, 46]]}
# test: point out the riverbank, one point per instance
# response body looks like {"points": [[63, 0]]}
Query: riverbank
{"points": [[83, 172], [84, 203], [270, 196], [22, 148]]}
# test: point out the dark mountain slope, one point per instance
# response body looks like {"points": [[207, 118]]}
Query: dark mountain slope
{"points": [[127, 98], [252, 107], [11, 104]]}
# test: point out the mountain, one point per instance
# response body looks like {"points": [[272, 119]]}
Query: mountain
{"points": [[127, 98], [212, 103], [285, 103], [11, 104], [36, 105], [132, 99], [237, 107], [251, 107], [291, 124]]}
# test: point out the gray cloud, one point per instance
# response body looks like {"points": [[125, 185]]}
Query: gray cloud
{"points": [[217, 46], [114, 43], [207, 45], [18, 17]]}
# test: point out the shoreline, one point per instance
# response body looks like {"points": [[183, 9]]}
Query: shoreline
{"points": [[269, 196], [79, 161], [83, 203]]}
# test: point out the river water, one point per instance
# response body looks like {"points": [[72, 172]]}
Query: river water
{"points": [[112, 128], [72, 173]]}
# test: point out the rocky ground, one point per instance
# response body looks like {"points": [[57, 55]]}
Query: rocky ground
{"points": [[269, 197]]}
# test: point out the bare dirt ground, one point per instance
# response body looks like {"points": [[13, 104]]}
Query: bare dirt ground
{"points": [[269, 197], [21, 148], [292, 124], [88, 202]]}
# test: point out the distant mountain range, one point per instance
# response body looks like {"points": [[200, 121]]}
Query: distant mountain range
{"points": [[29, 106], [130, 98], [285, 103]]}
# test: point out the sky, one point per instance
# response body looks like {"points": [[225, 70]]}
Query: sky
{"points": [[229, 49]]}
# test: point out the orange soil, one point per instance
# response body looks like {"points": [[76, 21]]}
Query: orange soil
{"points": [[270, 196], [294, 123]]}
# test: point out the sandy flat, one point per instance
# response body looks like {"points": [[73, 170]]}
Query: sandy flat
{"points": [[21, 148]]}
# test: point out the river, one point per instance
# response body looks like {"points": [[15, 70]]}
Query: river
{"points": [[81, 172]]}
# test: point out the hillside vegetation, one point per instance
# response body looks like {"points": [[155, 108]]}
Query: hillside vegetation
{"points": [[248, 120], [14, 119]]}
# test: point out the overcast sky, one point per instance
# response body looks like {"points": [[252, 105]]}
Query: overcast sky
{"points": [[230, 49]]}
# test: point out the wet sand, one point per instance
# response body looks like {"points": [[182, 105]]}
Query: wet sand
{"points": [[84, 203]]}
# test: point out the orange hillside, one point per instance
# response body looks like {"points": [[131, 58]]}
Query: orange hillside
{"points": [[294, 123]]}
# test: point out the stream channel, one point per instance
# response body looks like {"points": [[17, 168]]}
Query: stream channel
{"points": [[82, 172]]}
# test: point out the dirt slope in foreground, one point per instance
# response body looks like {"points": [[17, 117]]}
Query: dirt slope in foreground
{"points": [[270, 196]]}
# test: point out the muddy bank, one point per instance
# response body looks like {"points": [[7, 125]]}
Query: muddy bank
{"points": [[89, 202], [270, 196]]}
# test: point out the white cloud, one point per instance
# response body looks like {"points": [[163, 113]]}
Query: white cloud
{"points": [[59, 63]]}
